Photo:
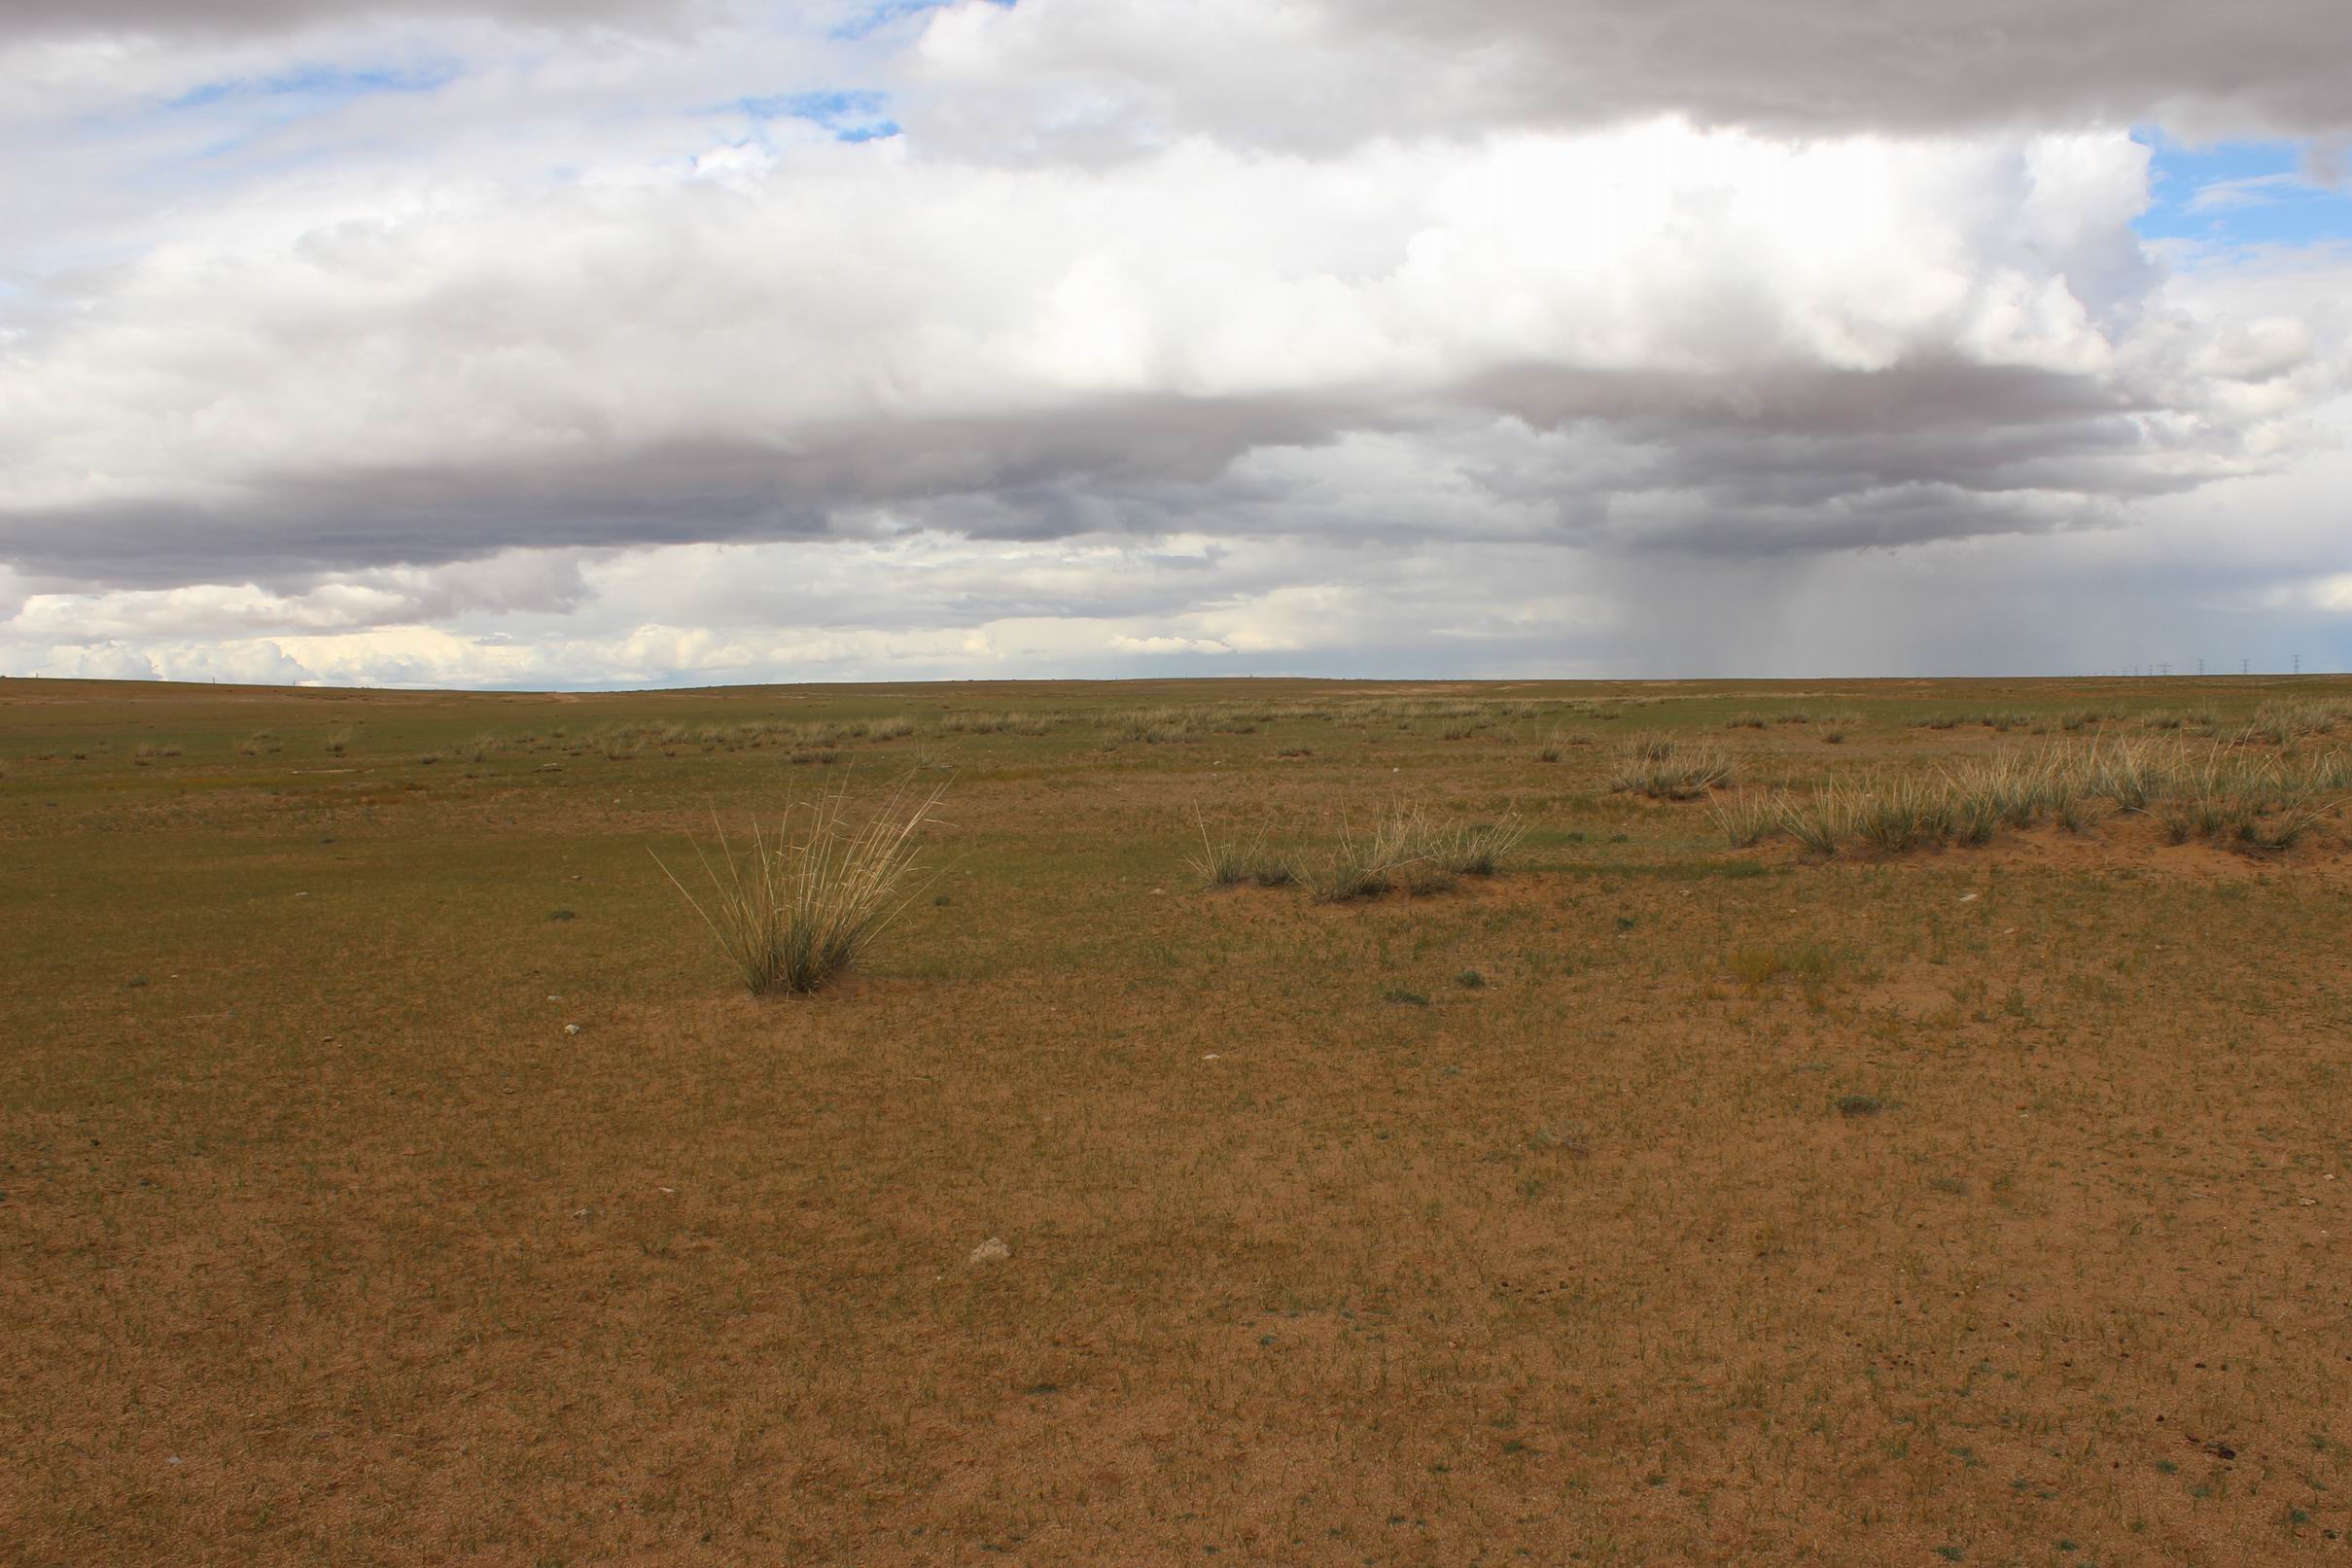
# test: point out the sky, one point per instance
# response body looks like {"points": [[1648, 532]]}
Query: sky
{"points": [[593, 343]]}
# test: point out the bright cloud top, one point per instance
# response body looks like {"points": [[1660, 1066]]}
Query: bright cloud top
{"points": [[499, 342]]}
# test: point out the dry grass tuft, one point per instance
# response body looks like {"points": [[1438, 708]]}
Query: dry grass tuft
{"points": [[797, 910], [1405, 847], [1746, 819], [1657, 768], [1473, 849], [1363, 864], [2225, 793], [1233, 862]]}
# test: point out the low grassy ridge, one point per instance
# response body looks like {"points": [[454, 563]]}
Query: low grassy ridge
{"points": [[1288, 1122]]}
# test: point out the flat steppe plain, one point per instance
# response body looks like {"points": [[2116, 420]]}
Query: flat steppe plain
{"points": [[1649, 1201]]}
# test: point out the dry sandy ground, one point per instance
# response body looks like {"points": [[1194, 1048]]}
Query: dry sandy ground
{"points": [[1649, 1202]]}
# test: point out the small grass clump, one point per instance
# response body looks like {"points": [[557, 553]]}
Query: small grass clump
{"points": [[1745, 819], [1893, 815], [1361, 864], [1236, 864], [1821, 824], [797, 909], [1657, 769], [1403, 848], [1472, 849]]}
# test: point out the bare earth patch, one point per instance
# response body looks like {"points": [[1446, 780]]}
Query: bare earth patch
{"points": [[1977, 1205]]}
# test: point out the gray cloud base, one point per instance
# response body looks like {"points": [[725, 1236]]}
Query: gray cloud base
{"points": [[1721, 465], [1902, 65], [1324, 73]]}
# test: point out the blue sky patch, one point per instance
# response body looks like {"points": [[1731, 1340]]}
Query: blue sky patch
{"points": [[880, 13], [852, 114], [321, 84], [2234, 195]]}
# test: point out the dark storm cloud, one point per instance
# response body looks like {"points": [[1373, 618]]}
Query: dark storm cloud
{"points": [[1819, 460], [1096, 78], [1046, 478], [1722, 465], [1897, 66]]}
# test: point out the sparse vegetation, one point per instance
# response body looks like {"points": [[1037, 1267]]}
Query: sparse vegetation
{"points": [[1472, 849], [1747, 818], [2223, 792], [1656, 767], [1362, 862], [797, 908], [1233, 863], [1401, 847], [334, 1087]]}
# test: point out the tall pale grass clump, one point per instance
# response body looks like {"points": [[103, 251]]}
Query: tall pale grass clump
{"points": [[1234, 861], [1656, 767], [1893, 815], [1473, 849], [1749, 818], [1821, 824], [1366, 863], [2131, 773], [799, 907]]}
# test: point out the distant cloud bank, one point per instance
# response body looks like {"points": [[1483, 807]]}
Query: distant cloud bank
{"points": [[542, 344]]}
